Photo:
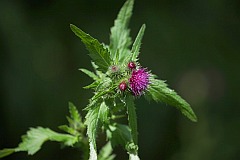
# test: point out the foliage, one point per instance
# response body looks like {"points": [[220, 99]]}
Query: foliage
{"points": [[110, 64]]}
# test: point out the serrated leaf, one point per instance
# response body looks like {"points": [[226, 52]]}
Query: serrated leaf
{"points": [[90, 74], [97, 52], [103, 89], [119, 134], [93, 118], [74, 113], [106, 152], [67, 129], [35, 137], [98, 73], [104, 84], [95, 67], [92, 85], [76, 126], [104, 113], [75, 122], [159, 92], [137, 44], [120, 39], [7, 151]]}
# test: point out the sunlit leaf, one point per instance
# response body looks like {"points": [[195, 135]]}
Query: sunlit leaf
{"points": [[137, 44], [89, 73], [93, 118], [97, 52], [159, 92], [120, 39], [35, 137]]}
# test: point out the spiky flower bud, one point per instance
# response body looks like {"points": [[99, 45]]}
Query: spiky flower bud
{"points": [[131, 65], [122, 86], [114, 69], [139, 81]]}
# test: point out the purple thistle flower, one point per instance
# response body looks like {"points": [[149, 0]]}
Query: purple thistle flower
{"points": [[139, 81]]}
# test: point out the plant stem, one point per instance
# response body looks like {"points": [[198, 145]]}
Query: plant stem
{"points": [[132, 119]]}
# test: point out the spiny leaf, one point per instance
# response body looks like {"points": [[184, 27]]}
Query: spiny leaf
{"points": [[137, 43], [94, 116], [103, 92], [97, 52], [67, 129], [89, 73], [120, 39], [75, 121], [159, 91], [95, 67], [35, 137], [92, 85], [74, 112], [76, 126]]}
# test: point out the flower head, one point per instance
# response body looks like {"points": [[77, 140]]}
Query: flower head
{"points": [[139, 81]]}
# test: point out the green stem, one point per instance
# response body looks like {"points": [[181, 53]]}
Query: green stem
{"points": [[132, 119]]}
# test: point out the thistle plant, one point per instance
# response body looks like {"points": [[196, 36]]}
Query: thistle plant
{"points": [[118, 79]]}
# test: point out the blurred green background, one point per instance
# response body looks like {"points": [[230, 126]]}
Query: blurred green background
{"points": [[194, 44]]}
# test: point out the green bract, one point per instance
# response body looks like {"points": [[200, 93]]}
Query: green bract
{"points": [[110, 64]]}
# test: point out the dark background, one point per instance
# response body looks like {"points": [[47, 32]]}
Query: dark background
{"points": [[194, 44]]}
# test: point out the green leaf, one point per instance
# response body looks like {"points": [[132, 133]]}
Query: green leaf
{"points": [[74, 113], [105, 84], [92, 85], [75, 121], [35, 137], [93, 118], [76, 126], [159, 91], [105, 87], [119, 134], [7, 151], [90, 74], [98, 73], [97, 52], [67, 129], [106, 152], [120, 39], [137, 44], [104, 92], [132, 118]]}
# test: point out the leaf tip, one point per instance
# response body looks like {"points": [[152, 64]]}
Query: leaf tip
{"points": [[194, 119], [72, 25]]}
